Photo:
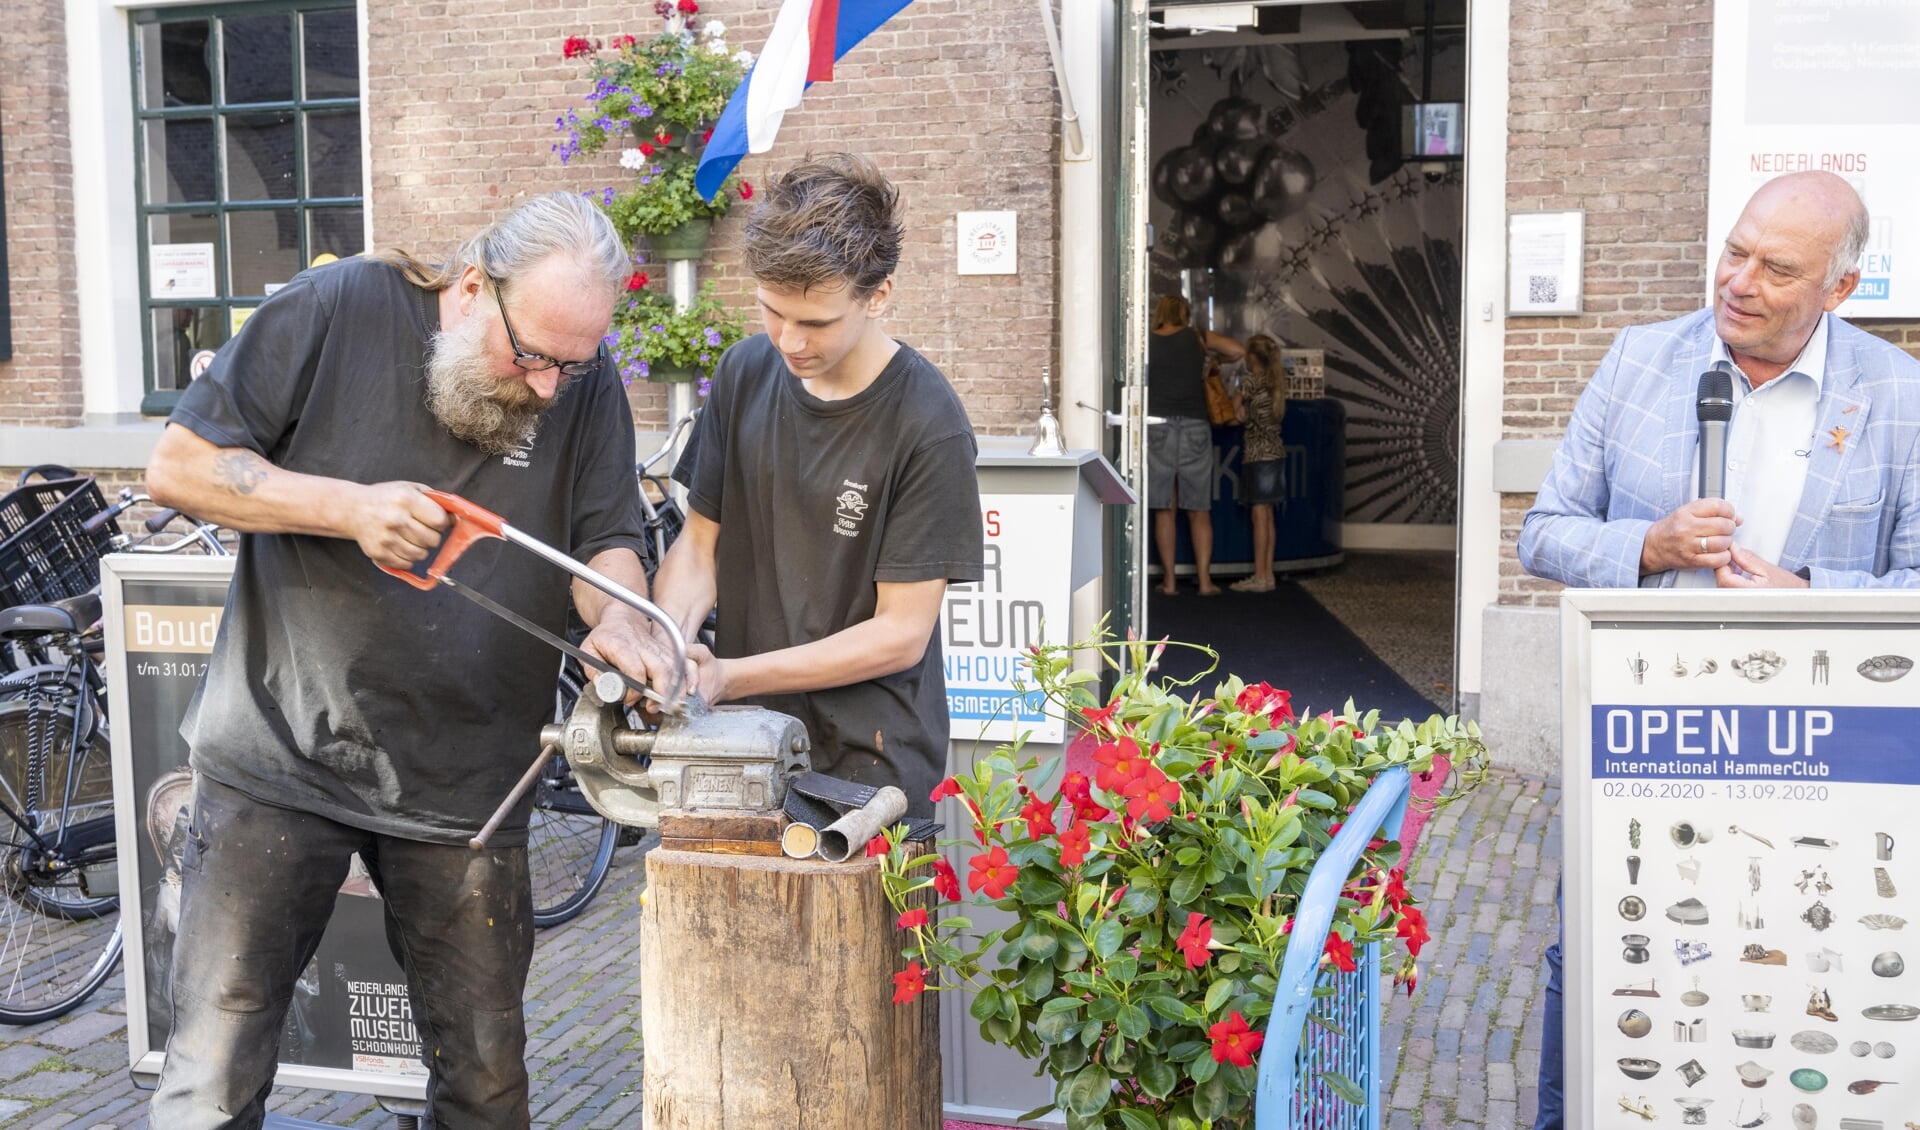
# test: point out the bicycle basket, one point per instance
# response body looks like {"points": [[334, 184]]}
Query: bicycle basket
{"points": [[46, 554]]}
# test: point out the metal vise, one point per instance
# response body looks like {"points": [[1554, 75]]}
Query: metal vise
{"points": [[722, 759]]}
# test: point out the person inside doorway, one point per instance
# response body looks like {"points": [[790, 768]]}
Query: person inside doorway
{"points": [[1261, 404], [1180, 447]]}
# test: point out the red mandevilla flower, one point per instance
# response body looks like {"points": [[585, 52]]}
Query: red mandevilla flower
{"points": [[1151, 797], [911, 981], [913, 919], [945, 883], [1193, 941], [876, 846], [1413, 928], [1233, 1042], [1079, 791], [746, 190], [1340, 951], [990, 872], [1100, 715], [1397, 888], [1261, 698], [1039, 817], [1074, 845], [1120, 762], [944, 789]]}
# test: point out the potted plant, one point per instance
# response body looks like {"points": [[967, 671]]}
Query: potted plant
{"points": [[650, 340], [1152, 903], [656, 100]]}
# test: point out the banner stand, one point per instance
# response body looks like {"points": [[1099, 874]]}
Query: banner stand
{"points": [[1740, 770]]}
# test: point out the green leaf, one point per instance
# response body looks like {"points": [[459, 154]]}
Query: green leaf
{"points": [[1210, 1097], [1219, 993], [1046, 776], [1188, 856], [1038, 890], [1106, 941], [1172, 1008], [1060, 1004], [1139, 902], [1036, 1112], [1039, 945], [1103, 1009], [1038, 981], [1202, 1068], [1187, 886], [1344, 1087], [1314, 798], [1066, 1056], [1122, 968], [1157, 1076], [1269, 739], [1084, 899], [1139, 1119], [1188, 1049], [1088, 1091], [1120, 1055], [986, 1004], [1056, 1027], [1132, 1021]]}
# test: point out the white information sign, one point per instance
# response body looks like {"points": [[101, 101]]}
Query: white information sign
{"points": [[1823, 84], [1741, 771], [1544, 252], [181, 270], [986, 629], [988, 243]]}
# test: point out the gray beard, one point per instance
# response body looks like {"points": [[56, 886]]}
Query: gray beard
{"points": [[497, 416]]}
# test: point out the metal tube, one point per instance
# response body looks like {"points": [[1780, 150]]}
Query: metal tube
{"points": [[851, 832], [479, 842], [1075, 148]]}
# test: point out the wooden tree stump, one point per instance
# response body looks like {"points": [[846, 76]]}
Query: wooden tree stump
{"points": [[767, 999]]}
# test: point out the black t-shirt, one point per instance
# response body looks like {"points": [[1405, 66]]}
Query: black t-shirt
{"points": [[1176, 370], [817, 502], [333, 687]]}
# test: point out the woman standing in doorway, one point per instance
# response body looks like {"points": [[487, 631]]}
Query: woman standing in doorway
{"points": [[1262, 404], [1180, 450]]}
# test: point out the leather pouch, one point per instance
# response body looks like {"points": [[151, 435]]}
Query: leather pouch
{"points": [[817, 800]]}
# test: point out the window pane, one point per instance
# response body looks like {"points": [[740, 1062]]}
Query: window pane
{"points": [[178, 333], [332, 54], [333, 153], [180, 163], [259, 58], [174, 67], [262, 247], [260, 150], [335, 231]]}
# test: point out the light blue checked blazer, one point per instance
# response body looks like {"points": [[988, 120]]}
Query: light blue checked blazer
{"points": [[1628, 460]]}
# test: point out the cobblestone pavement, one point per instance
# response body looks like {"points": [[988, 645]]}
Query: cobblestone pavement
{"points": [[1469, 1040]]}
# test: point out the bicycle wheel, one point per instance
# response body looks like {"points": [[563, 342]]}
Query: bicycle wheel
{"points": [[569, 845], [59, 940]]}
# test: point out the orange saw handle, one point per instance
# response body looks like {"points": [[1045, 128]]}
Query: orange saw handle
{"points": [[471, 523]]}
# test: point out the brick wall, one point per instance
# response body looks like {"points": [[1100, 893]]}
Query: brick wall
{"points": [[1609, 113], [462, 96], [41, 384]]}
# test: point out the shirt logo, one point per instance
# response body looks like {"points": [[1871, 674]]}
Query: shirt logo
{"points": [[519, 457], [852, 508]]}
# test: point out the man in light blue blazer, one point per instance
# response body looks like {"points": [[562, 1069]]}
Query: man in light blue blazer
{"points": [[1823, 450]]}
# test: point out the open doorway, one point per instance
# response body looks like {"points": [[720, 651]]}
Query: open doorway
{"points": [[1307, 185]]}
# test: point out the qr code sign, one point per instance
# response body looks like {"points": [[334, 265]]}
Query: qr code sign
{"points": [[1542, 290]]}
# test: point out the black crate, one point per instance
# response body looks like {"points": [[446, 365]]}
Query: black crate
{"points": [[46, 554]]}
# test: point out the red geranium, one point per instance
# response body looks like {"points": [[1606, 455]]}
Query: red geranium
{"points": [[1193, 941], [624, 41], [576, 46], [911, 981], [646, 149], [746, 191], [663, 137], [688, 7], [1074, 845], [945, 883], [1233, 1042], [636, 280], [990, 872], [913, 919]]}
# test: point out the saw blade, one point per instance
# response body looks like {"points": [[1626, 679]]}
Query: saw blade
{"points": [[537, 632]]}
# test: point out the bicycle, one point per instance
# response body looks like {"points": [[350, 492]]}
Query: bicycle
{"points": [[570, 845]]}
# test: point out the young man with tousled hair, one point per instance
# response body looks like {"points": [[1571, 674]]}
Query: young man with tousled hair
{"points": [[833, 493], [344, 712]]}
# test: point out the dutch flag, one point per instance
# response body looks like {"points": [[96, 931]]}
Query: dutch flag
{"points": [[808, 36]]}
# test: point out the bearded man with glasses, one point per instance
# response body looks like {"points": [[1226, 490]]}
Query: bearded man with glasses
{"points": [[344, 712]]}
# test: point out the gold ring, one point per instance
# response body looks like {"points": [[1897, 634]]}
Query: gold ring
{"points": [[1703, 546]]}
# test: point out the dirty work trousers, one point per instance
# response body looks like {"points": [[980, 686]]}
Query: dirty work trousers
{"points": [[258, 885]]}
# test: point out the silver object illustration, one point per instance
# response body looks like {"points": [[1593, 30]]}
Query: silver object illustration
{"points": [[1691, 950], [1691, 1071], [1883, 1050], [1817, 916], [1633, 908], [1735, 829], [1821, 666], [1684, 834], [1747, 1038], [1635, 951], [1890, 1012], [1643, 1108], [1882, 846], [1694, 998], [1633, 834], [1813, 1043], [1753, 874], [1819, 882], [1820, 842], [1755, 1002], [1882, 921], [1884, 668], [1752, 1074], [1883, 883], [1707, 667], [1689, 869], [1889, 964], [1633, 870], [1820, 1006], [1679, 668], [1638, 666], [1634, 1024], [1826, 960], [1804, 1118], [1638, 1067], [1758, 666], [1752, 919], [1688, 912], [1693, 1112]]}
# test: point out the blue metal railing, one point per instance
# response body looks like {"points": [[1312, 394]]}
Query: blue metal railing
{"points": [[1291, 1094]]}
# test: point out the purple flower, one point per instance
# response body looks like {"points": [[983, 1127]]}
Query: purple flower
{"points": [[713, 336], [606, 198], [705, 357], [659, 329], [646, 370], [703, 386], [642, 110]]}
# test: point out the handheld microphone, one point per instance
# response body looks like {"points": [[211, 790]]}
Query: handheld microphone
{"points": [[1713, 409]]}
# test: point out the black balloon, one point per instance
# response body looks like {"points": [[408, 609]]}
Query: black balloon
{"points": [[1281, 186], [1197, 231], [1237, 161], [1163, 178], [1190, 175], [1235, 210], [1236, 255], [1235, 119]]}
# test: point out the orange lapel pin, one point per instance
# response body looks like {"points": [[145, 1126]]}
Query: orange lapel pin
{"points": [[1839, 441]]}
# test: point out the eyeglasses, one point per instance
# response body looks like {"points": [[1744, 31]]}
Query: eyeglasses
{"points": [[540, 362]]}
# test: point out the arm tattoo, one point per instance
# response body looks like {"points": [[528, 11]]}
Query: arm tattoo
{"points": [[241, 472]]}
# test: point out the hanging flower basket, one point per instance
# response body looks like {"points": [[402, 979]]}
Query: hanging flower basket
{"points": [[686, 241], [674, 374]]}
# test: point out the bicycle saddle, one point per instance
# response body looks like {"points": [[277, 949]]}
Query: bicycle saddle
{"points": [[70, 616]]}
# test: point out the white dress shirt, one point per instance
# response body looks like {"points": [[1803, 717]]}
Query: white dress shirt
{"points": [[1769, 443]]}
